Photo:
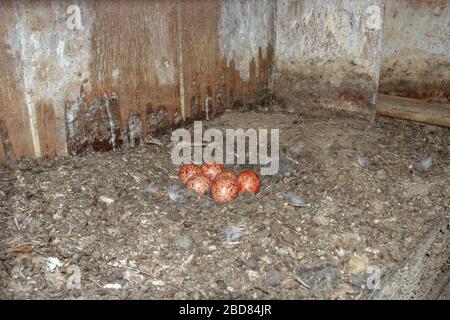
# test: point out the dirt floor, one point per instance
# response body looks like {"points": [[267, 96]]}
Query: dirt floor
{"points": [[372, 193]]}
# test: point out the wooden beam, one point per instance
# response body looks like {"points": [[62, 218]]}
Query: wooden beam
{"points": [[13, 106], [6, 150], [2, 151], [46, 125], [414, 110]]}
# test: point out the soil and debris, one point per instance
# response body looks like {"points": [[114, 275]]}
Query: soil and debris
{"points": [[350, 195]]}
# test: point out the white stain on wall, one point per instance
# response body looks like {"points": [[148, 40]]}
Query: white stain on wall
{"points": [[322, 32], [244, 27], [423, 28], [417, 40], [53, 60]]}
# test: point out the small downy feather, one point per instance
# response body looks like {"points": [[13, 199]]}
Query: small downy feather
{"points": [[426, 163], [293, 200], [364, 163], [176, 194], [233, 233]]}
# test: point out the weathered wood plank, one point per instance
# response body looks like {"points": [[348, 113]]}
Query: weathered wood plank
{"points": [[328, 52], [414, 110], [134, 55], [200, 48], [132, 68], [46, 125], [2, 151], [7, 150], [416, 55], [13, 105], [227, 51]]}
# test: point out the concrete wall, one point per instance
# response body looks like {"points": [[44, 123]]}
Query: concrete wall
{"points": [[416, 56], [135, 68], [328, 52]]}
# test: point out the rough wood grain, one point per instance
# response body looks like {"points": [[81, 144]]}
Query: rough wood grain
{"points": [[13, 106], [416, 55], [134, 68], [2, 151], [7, 149], [46, 125], [414, 110], [227, 53], [328, 52], [134, 54], [200, 49]]}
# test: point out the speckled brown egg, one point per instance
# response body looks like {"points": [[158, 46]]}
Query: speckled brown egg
{"points": [[227, 174], [248, 181], [187, 171], [211, 170], [198, 183], [224, 190]]}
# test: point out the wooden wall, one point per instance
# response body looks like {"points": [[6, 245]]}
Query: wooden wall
{"points": [[135, 68], [328, 53], [138, 68]]}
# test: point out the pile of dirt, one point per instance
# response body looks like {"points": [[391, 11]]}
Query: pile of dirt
{"points": [[117, 225]]}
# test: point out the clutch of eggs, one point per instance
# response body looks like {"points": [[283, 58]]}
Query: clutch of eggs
{"points": [[225, 184]]}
